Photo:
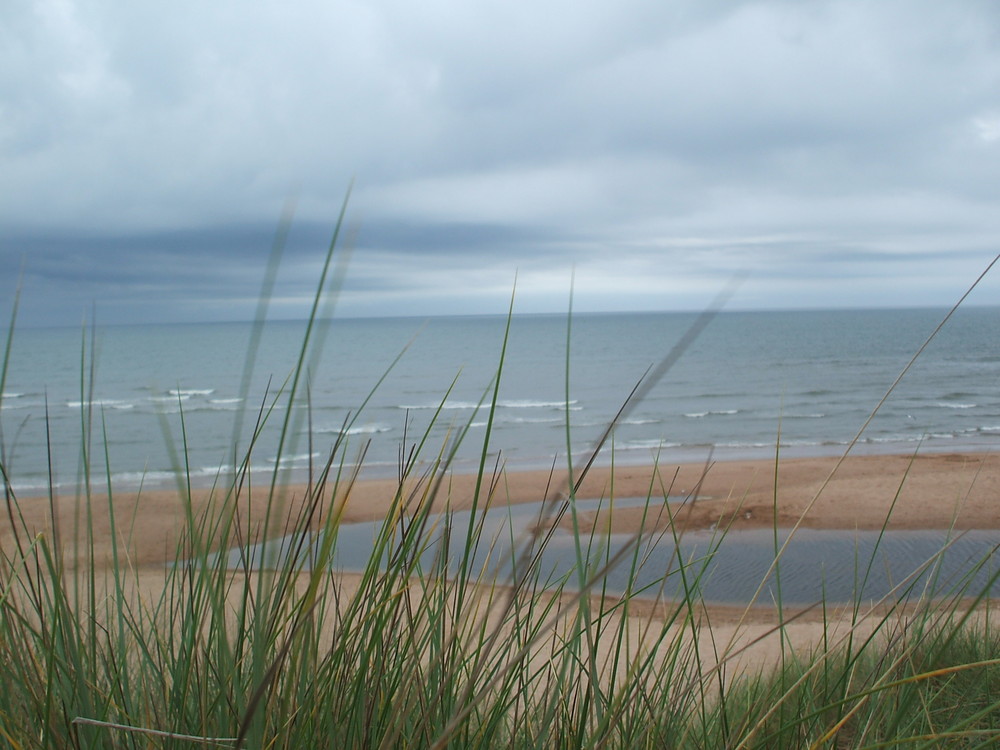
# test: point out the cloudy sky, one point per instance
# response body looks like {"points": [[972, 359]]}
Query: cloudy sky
{"points": [[840, 152]]}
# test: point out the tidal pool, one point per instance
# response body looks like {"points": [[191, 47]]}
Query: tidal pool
{"points": [[835, 566]]}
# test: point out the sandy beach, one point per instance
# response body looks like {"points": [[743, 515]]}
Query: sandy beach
{"points": [[934, 491], [923, 492]]}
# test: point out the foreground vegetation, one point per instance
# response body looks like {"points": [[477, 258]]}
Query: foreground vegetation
{"points": [[427, 648]]}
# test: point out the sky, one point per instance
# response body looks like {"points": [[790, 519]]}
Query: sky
{"points": [[840, 153]]}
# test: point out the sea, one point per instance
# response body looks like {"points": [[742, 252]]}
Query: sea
{"points": [[141, 406]]}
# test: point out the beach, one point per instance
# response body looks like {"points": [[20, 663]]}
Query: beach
{"points": [[805, 382], [931, 491]]}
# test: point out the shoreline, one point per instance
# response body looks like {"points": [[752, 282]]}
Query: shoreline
{"points": [[130, 482], [934, 491]]}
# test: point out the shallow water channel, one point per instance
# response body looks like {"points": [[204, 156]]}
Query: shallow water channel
{"points": [[835, 566]]}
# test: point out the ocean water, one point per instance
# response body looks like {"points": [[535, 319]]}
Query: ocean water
{"points": [[140, 402]]}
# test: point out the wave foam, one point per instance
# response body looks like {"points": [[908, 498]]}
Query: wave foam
{"points": [[364, 429], [107, 403], [501, 404]]}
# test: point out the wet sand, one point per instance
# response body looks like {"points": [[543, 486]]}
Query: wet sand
{"points": [[934, 491]]}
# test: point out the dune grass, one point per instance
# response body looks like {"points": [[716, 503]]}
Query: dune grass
{"points": [[427, 646]]}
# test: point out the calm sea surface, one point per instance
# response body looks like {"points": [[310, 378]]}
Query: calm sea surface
{"points": [[806, 379]]}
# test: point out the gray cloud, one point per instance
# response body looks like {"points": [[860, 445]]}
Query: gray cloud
{"points": [[842, 152]]}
